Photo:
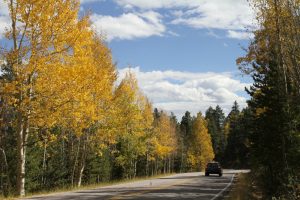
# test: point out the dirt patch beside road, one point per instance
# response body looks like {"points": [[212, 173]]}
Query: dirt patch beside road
{"points": [[243, 189]]}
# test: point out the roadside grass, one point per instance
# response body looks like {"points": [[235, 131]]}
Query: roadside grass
{"points": [[244, 189], [84, 187], [7, 198]]}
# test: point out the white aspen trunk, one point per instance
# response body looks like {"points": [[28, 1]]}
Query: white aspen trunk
{"points": [[80, 175], [6, 183], [23, 130], [80, 171], [21, 135], [44, 163], [21, 166], [82, 160]]}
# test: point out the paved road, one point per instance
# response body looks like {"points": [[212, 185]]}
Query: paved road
{"points": [[179, 186]]}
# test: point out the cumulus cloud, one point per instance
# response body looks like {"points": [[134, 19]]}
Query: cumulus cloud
{"points": [[177, 91], [129, 25], [4, 19], [229, 15], [155, 4], [215, 14]]}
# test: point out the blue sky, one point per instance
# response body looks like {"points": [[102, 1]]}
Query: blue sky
{"points": [[182, 51]]}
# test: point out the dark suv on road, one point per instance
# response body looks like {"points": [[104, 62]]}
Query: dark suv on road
{"points": [[213, 168]]}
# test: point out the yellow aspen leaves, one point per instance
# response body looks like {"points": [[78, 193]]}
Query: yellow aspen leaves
{"points": [[200, 151], [165, 138]]}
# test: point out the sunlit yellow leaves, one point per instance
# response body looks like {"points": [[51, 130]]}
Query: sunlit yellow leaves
{"points": [[165, 137], [63, 87], [200, 151], [63, 72]]}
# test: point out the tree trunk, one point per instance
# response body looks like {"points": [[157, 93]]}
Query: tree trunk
{"points": [[23, 129], [169, 170], [156, 168], [152, 168], [3, 128], [181, 164], [5, 183], [283, 68], [80, 175], [165, 163], [82, 160], [135, 163], [75, 164], [44, 163], [147, 165]]}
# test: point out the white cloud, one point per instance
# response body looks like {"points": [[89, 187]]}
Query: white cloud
{"points": [[3, 8], [156, 4], [230, 15], [215, 14], [129, 25], [4, 19], [177, 91], [225, 14], [241, 35]]}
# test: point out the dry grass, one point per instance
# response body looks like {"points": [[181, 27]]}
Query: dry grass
{"points": [[244, 189], [7, 198], [84, 187]]}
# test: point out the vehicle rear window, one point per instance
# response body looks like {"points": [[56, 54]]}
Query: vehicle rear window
{"points": [[212, 165]]}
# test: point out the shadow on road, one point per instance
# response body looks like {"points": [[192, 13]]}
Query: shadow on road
{"points": [[181, 177], [188, 186]]}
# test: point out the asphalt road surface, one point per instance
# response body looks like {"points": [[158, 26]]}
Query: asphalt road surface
{"points": [[179, 186]]}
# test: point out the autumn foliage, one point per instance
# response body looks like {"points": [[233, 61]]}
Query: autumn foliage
{"points": [[65, 120]]}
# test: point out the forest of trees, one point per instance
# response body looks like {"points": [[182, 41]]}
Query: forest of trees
{"points": [[272, 60], [65, 120]]}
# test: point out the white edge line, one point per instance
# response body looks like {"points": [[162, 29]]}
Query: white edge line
{"points": [[228, 185]]}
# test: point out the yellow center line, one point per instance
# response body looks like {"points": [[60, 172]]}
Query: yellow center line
{"points": [[126, 194]]}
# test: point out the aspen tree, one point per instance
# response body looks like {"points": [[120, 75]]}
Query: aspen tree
{"points": [[200, 151], [45, 57]]}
